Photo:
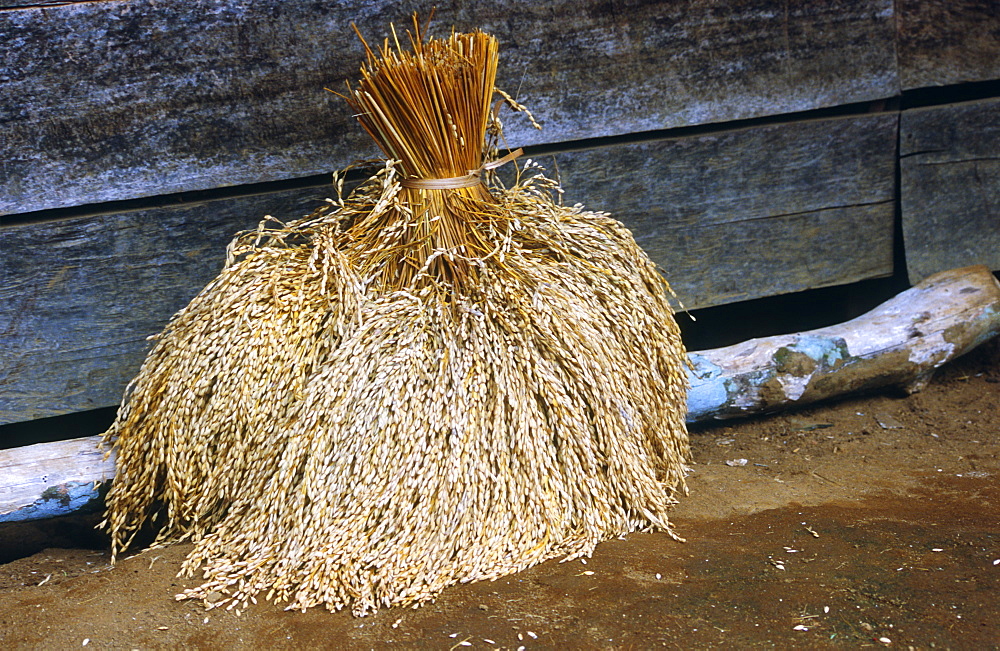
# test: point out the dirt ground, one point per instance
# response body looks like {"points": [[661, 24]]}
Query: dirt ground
{"points": [[868, 522]]}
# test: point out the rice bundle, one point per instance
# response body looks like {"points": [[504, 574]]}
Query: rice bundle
{"points": [[434, 380]]}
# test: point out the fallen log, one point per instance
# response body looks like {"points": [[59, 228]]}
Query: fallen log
{"points": [[898, 344], [49, 479]]}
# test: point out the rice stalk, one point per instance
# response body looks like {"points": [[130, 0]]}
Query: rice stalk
{"points": [[413, 386]]}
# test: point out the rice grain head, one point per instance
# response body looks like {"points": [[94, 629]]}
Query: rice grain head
{"points": [[409, 388]]}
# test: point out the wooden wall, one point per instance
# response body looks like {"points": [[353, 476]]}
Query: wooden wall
{"points": [[950, 186], [748, 144], [140, 98]]}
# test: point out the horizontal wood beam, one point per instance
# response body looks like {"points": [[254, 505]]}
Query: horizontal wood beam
{"points": [[944, 42], [117, 100], [756, 212], [80, 296], [950, 186]]}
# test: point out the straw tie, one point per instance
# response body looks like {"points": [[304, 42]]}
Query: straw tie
{"points": [[469, 180]]}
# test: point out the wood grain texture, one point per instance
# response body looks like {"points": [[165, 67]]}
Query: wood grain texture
{"points": [[112, 100], [50, 479], [755, 212], [944, 42], [950, 186], [79, 297]]}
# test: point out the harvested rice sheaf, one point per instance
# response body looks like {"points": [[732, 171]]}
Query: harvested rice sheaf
{"points": [[415, 385]]}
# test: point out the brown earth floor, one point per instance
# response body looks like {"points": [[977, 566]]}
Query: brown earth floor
{"points": [[864, 523]]}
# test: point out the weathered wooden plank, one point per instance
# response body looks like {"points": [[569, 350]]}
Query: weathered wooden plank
{"points": [[597, 68], [943, 42], [900, 343], [111, 100], [79, 297], [950, 185], [754, 212]]}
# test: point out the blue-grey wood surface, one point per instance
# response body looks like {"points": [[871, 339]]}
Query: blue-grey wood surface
{"points": [[748, 213], [78, 297], [112, 100], [942, 42], [950, 186], [120, 99]]}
